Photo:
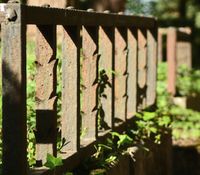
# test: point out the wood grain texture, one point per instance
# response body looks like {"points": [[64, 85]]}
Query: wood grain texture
{"points": [[90, 80], [106, 51], [120, 73], [14, 129], [171, 60], [46, 98], [142, 68], [71, 89], [151, 66], [132, 73]]}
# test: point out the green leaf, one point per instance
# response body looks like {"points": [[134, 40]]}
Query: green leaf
{"points": [[52, 162], [124, 139], [149, 116], [164, 121], [153, 130], [69, 173]]}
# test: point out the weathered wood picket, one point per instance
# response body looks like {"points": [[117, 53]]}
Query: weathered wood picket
{"points": [[178, 51], [122, 47]]}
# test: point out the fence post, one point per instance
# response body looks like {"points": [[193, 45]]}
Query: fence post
{"points": [[71, 89], [132, 73], [120, 74], [160, 45], [14, 91], [142, 68], [90, 80], [106, 51], [151, 66], [171, 60], [45, 92]]}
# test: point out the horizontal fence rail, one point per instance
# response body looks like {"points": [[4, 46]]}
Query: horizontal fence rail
{"points": [[108, 74]]}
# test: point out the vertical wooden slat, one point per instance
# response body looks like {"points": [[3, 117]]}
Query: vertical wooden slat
{"points": [[160, 46], [14, 93], [120, 73], [45, 91], [132, 73], [184, 47], [151, 66], [142, 68], [89, 78], [106, 50], [171, 60], [71, 89]]}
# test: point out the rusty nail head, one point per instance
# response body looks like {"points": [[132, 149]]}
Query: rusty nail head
{"points": [[70, 7], [90, 10], [11, 14]]}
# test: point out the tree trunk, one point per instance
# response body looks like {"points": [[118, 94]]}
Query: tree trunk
{"points": [[182, 9]]}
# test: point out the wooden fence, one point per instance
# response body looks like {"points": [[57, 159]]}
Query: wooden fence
{"points": [[122, 48], [178, 51]]}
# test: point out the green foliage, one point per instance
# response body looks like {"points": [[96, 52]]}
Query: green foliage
{"points": [[167, 9], [139, 7], [68, 173], [163, 98], [52, 162], [197, 20], [31, 71], [103, 84], [151, 125], [186, 122], [178, 10], [105, 156], [123, 139], [188, 81]]}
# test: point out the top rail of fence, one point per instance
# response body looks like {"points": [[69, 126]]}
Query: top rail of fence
{"points": [[49, 16]]}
